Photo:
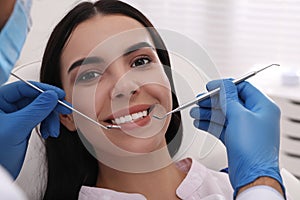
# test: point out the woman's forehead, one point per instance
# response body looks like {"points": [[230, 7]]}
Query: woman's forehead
{"points": [[105, 32]]}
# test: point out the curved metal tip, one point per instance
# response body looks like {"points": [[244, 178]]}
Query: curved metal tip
{"points": [[160, 118], [113, 127], [267, 67], [168, 113]]}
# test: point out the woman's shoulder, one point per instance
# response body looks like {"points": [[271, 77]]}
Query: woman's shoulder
{"points": [[202, 181]]}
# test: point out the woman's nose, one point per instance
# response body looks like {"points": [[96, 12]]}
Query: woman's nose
{"points": [[125, 92], [125, 86]]}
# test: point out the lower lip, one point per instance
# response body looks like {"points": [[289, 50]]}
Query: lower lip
{"points": [[136, 124]]}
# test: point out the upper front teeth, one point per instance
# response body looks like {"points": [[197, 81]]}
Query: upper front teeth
{"points": [[130, 118]]}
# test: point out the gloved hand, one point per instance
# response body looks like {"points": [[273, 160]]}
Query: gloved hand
{"points": [[21, 109], [247, 122]]}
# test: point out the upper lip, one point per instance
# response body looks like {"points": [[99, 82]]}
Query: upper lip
{"points": [[128, 111]]}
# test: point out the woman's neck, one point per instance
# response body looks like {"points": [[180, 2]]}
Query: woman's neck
{"points": [[159, 184]]}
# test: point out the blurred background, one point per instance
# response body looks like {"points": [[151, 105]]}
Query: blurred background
{"points": [[238, 35]]}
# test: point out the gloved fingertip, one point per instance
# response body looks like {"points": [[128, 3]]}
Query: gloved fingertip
{"points": [[206, 103], [50, 95], [211, 85], [198, 95], [55, 130], [50, 126], [63, 109], [55, 134], [194, 112], [202, 125], [196, 123], [44, 133], [67, 110], [60, 93]]}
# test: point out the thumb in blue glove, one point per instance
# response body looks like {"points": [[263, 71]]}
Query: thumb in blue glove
{"points": [[250, 132], [21, 109]]}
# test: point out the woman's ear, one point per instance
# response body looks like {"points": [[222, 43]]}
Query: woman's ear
{"points": [[68, 121]]}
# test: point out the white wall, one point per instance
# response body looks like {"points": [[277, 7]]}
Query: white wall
{"points": [[45, 15], [237, 34]]}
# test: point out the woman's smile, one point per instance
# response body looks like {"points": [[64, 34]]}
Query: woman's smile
{"points": [[133, 117]]}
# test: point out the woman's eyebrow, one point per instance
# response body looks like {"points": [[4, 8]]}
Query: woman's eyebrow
{"points": [[97, 60], [85, 61], [136, 47]]}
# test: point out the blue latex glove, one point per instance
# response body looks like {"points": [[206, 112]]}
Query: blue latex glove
{"points": [[21, 109], [248, 123], [13, 36]]}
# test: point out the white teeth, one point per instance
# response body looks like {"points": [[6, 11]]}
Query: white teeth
{"points": [[118, 121], [130, 118], [144, 113], [135, 116], [140, 114], [122, 120]]}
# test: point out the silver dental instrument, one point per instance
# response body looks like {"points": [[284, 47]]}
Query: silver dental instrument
{"points": [[211, 93], [66, 105]]}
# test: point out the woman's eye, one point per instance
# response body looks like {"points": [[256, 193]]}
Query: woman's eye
{"points": [[141, 61], [87, 76]]}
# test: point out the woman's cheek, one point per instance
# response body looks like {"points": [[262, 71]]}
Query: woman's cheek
{"points": [[83, 99]]}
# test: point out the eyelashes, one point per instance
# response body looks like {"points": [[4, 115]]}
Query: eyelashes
{"points": [[88, 76], [139, 62]]}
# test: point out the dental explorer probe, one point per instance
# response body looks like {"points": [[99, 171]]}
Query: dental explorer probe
{"points": [[66, 105], [211, 93]]}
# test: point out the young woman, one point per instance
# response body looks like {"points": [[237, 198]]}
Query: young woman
{"points": [[114, 66]]}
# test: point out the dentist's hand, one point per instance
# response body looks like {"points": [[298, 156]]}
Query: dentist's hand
{"points": [[247, 122], [21, 109]]}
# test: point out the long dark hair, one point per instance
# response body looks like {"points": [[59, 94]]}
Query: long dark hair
{"points": [[70, 165]]}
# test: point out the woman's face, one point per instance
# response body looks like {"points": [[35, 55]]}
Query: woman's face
{"points": [[111, 72]]}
